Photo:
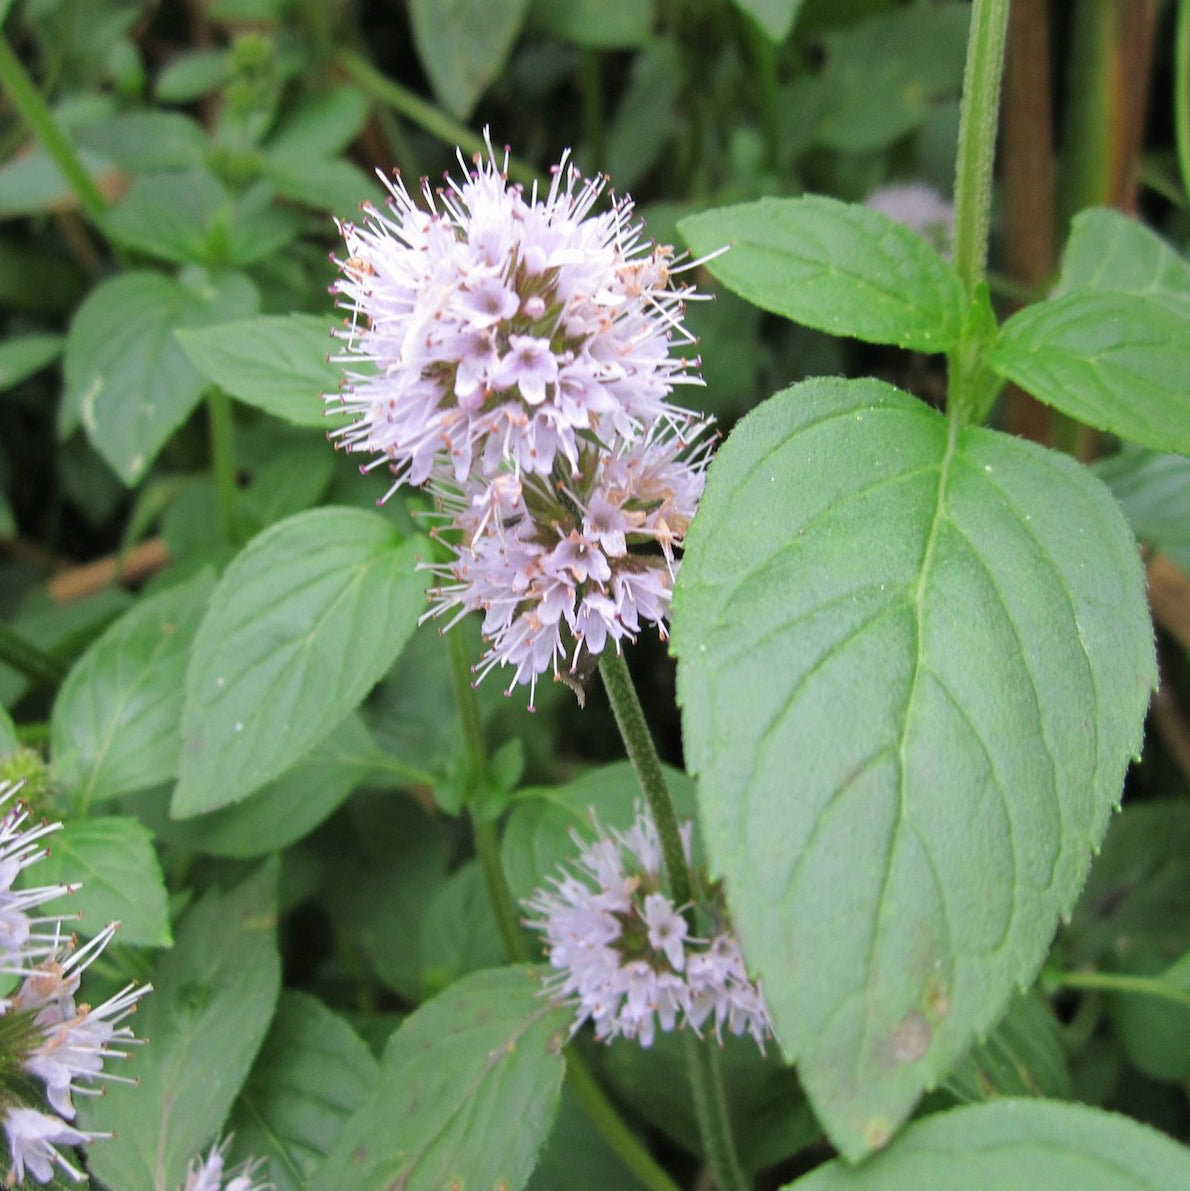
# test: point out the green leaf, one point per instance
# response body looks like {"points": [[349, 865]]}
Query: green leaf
{"points": [[115, 726], [596, 24], [289, 806], [312, 1072], [190, 217], [320, 125], [463, 45], [1155, 492], [1023, 1056], [397, 855], [213, 997], [775, 17], [914, 663], [126, 376], [834, 266], [885, 76], [8, 735], [277, 363], [459, 932], [114, 860], [1038, 1144], [1136, 900], [1116, 361], [1154, 1031], [467, 1092], [23, 355], [190, 76], [1109, 251], [335, 186], [141, 142], [304, 622], [537, 838]]}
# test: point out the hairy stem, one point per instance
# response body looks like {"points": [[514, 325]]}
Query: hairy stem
{"points": [[702, 1061]]}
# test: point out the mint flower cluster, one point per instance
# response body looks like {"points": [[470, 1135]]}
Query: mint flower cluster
{"points": [[44, 1032], [515, 354], [623, 952], [208, 1174]]}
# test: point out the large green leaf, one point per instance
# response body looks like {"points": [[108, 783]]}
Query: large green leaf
{"points": [[914, 663], [127, 378], [1039, 1144], [1117, 361], [834, 266], [114, 861], [277, 363], [463, 45], [213, 997], [308, 617], [310, 1076], [115, 726], [467, 1092]]}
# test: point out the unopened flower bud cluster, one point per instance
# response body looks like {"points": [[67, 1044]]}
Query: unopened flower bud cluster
{"points": [[44, 1032], [515, 353], [624, 954]]}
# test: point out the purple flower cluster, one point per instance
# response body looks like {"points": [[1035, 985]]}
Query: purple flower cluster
{"points": [[515, 353], [47, 1034], [623, 951]]}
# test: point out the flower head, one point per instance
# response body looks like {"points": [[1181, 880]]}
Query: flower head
{"points": [[560, 571], [623, 953], [487, 325]]}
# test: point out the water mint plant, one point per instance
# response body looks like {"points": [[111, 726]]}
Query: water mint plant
{"points": [[702, 727]]}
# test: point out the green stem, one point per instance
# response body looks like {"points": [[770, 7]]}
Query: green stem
{"points": [[972, 388], [487, 848], [33, 662], [977, 139], [410, 774], [221, 426], [714, 1123], [382, 89], [39, 118], [611, 1125], [763, 55], [1181, 103], [638, 740], [33, 735], [1121, 982], [483, 834]]}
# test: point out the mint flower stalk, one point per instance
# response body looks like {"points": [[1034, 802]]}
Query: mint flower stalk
{"points": [[515, 353]]}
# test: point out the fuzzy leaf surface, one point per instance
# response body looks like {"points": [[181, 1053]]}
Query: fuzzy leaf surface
{"points": [[914, 663], [467, 1092], [305, 621], [837, 267]]}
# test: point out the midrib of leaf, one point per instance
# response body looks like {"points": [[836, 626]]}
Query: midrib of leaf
{"points": [[902, 818]]}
